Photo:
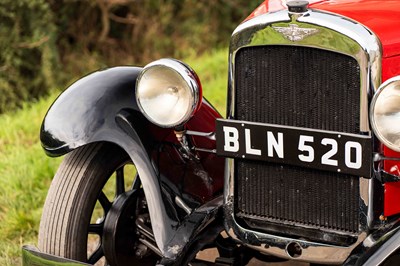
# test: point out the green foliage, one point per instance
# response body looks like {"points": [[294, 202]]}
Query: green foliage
{"points": [[185, 27], [46, 43], [28, 54], [212, 69], [25, 175]]}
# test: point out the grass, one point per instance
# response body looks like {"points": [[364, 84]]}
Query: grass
{"points": [[26, 172], [213, 72]]}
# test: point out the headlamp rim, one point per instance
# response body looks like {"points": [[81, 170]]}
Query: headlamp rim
{"points": [[374, 125], [188, 75]]}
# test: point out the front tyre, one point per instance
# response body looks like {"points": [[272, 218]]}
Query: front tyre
{"points": [[92, 211]]}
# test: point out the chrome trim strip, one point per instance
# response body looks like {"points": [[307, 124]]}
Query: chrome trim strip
{"points": [[206, 150], [209, 135], [379, 247], [352, 39]]}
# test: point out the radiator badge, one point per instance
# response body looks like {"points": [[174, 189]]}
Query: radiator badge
{"points": [[295, 33]]}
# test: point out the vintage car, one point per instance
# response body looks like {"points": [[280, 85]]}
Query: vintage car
{"points": [[305, 166]]}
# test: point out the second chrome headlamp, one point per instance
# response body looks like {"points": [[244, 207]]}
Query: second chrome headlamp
{"points": [[385, 113]]}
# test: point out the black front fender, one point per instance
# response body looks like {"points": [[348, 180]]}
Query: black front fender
{"points": [[86, 111], [102, 107]]}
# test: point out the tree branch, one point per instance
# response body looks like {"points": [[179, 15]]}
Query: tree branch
{"points": [[128, 20], [104, 7], [33, 44]]}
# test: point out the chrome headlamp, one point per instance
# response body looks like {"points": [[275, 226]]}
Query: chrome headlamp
{"points": [[385, 113], [168, 92]]}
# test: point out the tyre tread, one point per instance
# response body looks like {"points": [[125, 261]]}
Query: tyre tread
{"points": [[59, 205]]}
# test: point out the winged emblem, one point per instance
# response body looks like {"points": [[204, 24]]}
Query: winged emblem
{"points": [[294, 32]]}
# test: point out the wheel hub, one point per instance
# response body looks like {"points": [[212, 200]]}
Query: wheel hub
{"points": [[119, 234]]}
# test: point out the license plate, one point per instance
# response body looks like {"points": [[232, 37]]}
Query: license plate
{"points": [[309, 148]]}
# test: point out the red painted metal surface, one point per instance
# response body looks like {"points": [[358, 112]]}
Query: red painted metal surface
{"points": [[383, 18], [204, 180], [392, 190], [204, 121], [391, 67], [272, 6]]}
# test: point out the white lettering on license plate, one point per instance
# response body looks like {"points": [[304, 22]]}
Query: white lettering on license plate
{"points": [[306, 148]]}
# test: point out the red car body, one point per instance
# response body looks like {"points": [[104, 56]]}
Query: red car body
{"points": [[383, 18]]}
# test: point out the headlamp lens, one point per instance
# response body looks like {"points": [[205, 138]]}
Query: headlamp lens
{"points": [[385, 113], [167, 92]]}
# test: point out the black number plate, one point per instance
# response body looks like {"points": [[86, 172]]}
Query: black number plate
{"points": [[317, 149]]}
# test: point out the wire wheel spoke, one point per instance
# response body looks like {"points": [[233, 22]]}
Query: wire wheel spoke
{"points": [[96, 229], [120, 181], [105, 203], [96, 256], [136, 183]]}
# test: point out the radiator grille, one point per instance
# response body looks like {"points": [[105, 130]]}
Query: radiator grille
{"points": [[302, 87], [297, 195]]}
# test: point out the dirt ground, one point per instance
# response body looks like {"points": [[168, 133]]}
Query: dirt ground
{"points": [[211, 254]]}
